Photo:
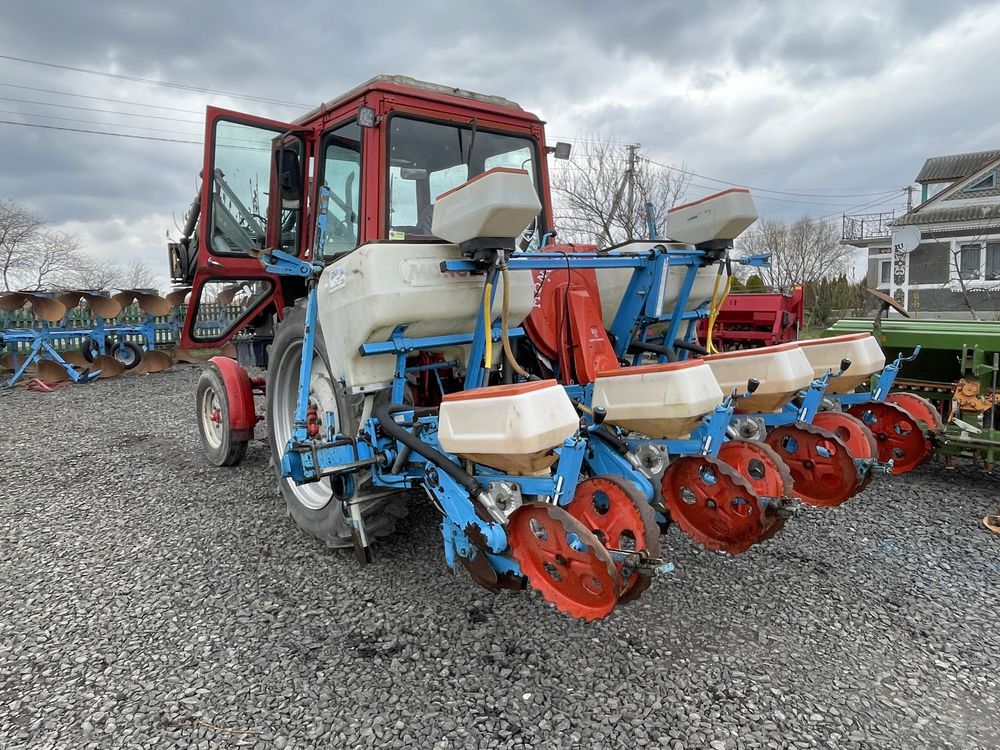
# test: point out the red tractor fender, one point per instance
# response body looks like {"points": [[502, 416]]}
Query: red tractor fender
{"points": [[239, 394]]}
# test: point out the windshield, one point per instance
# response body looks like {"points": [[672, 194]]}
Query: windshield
{"points": [[427, 159]]}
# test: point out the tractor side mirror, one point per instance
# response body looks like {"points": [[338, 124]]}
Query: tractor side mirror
{"points": [[289, 178], [561, 150]]}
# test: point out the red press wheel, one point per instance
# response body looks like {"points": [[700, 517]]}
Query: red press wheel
{"points": [[766, 473], [621, 519], [899, 435], [822, 468], [563, 561], [713, 504]]}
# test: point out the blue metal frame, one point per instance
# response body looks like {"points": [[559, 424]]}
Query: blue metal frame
{"points": [[306, 459]]}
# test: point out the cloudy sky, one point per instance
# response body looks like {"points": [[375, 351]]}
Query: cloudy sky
{"points": [[825, 107]]}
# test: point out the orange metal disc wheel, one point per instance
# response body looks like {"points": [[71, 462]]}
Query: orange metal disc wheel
{"points": [[822, 468], [713, 504], [766, 473], [621, 519], [563, 561], [919, 408], [898, 434]]}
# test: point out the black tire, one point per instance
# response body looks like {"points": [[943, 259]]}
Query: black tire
{"points": [[316, 507], [216, 437], [90, 349], [127, 353]]}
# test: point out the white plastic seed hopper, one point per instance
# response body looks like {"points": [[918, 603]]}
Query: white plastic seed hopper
{"points": [[367, 293], [826, 354], [661, 401], [716, 219], [782, 371], [513, 428]]}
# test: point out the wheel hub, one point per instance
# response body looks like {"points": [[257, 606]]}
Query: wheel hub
{"points": [[284, 384]]}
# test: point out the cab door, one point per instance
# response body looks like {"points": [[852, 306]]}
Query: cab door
{"points": [[254, 195]]}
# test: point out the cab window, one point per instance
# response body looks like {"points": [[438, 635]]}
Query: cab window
{"points": [[342, 176], [241, 184], [427, 159]]}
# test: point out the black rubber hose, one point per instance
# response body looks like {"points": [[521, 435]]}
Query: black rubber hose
{"points": [[602, 432], [691, 347], [384, 415], [642, 346]]}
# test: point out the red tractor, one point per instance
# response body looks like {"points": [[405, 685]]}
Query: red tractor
{"points": [[385, 150]]}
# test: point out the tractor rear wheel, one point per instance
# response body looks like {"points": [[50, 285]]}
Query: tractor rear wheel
{"points": [[221, 448], [318, 507]]}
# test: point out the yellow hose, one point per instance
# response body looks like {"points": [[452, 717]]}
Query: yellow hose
{"points": [[488, 323], [715, 307], [504, 336]]}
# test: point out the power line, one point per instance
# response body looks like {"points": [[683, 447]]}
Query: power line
{"points": [[92, 122], [98, 132], [751, 187], [94, 109], [154, 82], [791, 201], [760, 189], [102, 99]]}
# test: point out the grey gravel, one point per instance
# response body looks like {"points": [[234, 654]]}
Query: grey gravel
{"points": [[150, 600]]}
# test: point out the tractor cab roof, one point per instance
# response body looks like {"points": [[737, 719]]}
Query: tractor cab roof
{"points": [[395, 84]]}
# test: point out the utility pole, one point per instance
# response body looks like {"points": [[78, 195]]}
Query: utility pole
{"points": [[630, 181], [627, 184], [909, 198]]}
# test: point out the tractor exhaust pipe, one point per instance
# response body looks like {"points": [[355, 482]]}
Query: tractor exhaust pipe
{"points": [[192, 217]]}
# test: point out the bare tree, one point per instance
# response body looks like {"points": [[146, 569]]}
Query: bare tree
{"points": [[601, 192], [54, 262], [21, 232], [138, 275], [801, 251], [92, 273]]}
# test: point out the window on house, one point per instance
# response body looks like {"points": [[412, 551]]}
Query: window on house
{"points": [[968, 261], [989, 182], [992, 270], [884, 272]]}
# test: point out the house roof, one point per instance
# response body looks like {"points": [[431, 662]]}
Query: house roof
{"points": [[955, 166], [957, 213]]}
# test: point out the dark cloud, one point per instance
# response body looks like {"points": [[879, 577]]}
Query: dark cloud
{"points": [[782, 94]]}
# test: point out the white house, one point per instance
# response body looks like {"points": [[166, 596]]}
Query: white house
{"points": [[953, 267]]}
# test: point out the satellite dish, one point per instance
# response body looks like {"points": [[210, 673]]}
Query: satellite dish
{"points": [[905, 238]]}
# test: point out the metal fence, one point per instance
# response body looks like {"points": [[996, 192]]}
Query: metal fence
{"points": [[213, 320], [867, 226]]}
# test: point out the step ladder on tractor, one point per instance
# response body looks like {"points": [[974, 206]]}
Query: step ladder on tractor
{"points": [[422, 328]]}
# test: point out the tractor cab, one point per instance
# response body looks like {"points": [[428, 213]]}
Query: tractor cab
{"points": [[368, 166]]}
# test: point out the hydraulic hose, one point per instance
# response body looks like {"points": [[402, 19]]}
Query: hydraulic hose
{"points": [[716, 307], [384, 415], [488, 352], [505, 325]]}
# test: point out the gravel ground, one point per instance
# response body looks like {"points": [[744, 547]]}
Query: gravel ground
{"points": [[150, 600]]}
